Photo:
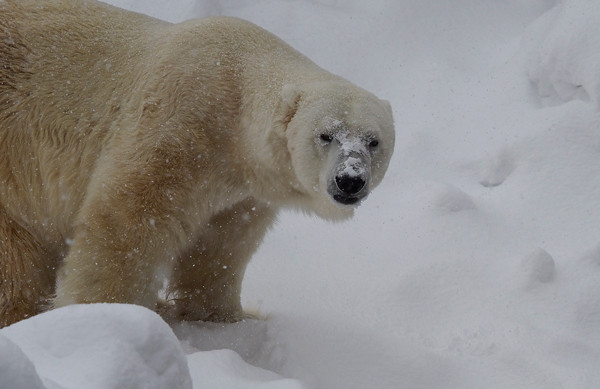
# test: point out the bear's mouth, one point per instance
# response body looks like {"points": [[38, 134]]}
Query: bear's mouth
{"points": [[346, 200], [347, 197]]}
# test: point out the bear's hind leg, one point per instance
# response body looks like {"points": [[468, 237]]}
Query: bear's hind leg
{"points": [[207, 279], [27, 272]]}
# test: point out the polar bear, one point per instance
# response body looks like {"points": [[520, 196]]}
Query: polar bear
{"points": [[136, 151]]}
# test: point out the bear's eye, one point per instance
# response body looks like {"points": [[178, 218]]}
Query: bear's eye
{"points": [[374, 143], [326, 138]]}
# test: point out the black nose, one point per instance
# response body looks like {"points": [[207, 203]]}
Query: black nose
{"points": [[349, 185]]}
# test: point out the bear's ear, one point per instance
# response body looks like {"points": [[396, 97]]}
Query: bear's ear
{"points": [[387, 106], [288, 104]]}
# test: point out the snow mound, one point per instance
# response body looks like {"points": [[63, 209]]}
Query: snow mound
{"points": [[94, 346], [539, 267], [452, 199], [16, 370], [497, 170], [564, 50]]}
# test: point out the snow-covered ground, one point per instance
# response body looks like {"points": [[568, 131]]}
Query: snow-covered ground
{"points": [[476, 264]]}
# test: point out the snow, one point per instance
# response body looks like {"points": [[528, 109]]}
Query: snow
{"points": [[564, 56], [16, 370], [97, 346], [476, 263]]}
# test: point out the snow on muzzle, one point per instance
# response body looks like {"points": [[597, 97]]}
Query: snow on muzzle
{"points": [[349, 184]]}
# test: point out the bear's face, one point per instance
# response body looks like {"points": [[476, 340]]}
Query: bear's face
{"points": [[340, 140]]}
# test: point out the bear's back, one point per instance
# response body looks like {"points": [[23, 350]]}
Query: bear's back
{"points": [[57, 47], [66, 72]]}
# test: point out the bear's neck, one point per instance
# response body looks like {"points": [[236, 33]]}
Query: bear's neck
{"points": [[263, 135]]}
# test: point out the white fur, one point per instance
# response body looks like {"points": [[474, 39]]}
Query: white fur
{"points": [[179, 145]]}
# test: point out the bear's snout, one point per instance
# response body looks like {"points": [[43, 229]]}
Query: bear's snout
{"points": [[350, 182], [350, 185], [350, 190]]}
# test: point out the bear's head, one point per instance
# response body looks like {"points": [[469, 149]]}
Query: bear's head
{"points": [[340, 139]]}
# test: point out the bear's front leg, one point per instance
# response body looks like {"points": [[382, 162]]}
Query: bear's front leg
{"points": [[26, 272], [128, 233], [207, 279]]}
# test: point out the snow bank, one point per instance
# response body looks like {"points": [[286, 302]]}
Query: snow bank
{"points": [[16, 370], [564, 53], [94, 346]]}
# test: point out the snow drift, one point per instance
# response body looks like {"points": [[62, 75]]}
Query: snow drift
{"points": [[95, 346]]}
